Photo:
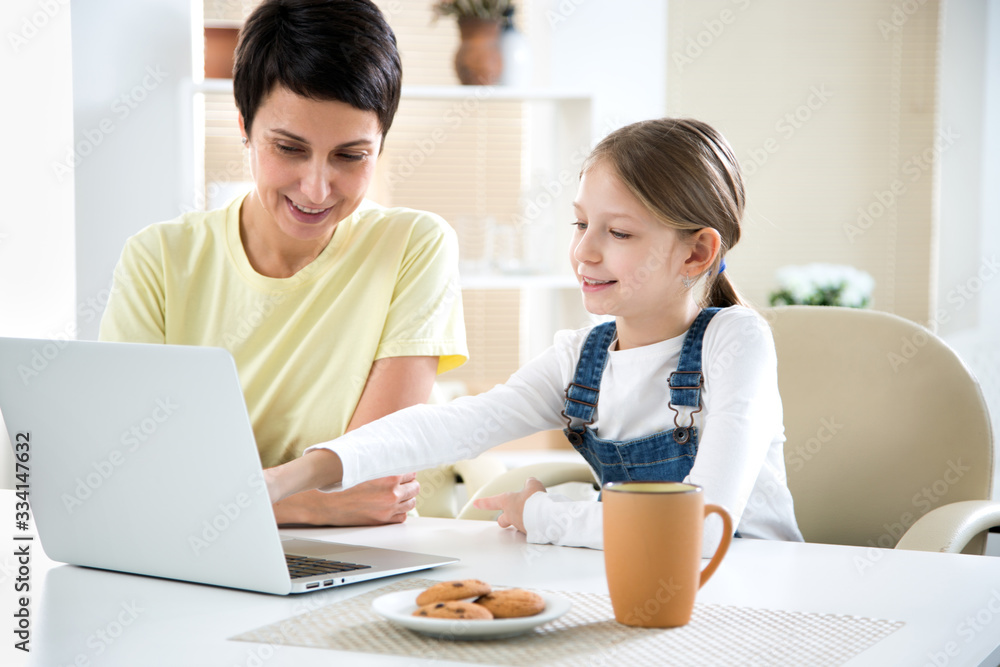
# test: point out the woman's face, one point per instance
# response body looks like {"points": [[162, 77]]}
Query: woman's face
{"points": [[311, 161]]}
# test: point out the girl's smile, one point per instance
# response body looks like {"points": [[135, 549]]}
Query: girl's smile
{"points": [[588, 284]]}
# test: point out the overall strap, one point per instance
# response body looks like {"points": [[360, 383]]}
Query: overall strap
{"points": [[581, 394], [686, 381]]}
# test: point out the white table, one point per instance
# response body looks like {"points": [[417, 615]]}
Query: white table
{"points": [[90, 617]]}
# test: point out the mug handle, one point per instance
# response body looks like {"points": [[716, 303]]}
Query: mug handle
{"points": [[727, 537]]}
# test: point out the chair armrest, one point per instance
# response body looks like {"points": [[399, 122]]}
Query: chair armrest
{"points": [[549, 474], [438, 486], [949, 528], [478, 472]]}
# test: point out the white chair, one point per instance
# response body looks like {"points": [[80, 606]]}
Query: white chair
{"points": [[440, 487], [889, 442], [550, 474]]}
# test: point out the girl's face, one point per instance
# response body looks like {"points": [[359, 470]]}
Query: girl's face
{"points": [[627, 263], [312, 162]]}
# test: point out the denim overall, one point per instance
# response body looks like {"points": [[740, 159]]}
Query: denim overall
{"points": [[663, 456]]}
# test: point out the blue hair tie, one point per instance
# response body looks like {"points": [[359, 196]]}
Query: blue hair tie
{"points": [[722, 267]]}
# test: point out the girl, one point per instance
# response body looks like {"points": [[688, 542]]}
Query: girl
{"points": [[669, 390]]}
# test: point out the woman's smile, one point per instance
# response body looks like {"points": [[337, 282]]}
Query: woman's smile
{"points": [[305, 214]]}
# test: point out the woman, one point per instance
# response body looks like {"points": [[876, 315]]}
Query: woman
{"points": [[337, 311]]}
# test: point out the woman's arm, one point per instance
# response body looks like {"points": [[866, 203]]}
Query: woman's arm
{"points": [[394, 383]]}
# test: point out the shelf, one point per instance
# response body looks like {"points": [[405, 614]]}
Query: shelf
{"points": [[492, 92], [214, 86], [527, 281], [228, 24], [446, 92]]}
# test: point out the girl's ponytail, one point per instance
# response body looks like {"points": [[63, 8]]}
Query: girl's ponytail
{"points": [[721, 293]]}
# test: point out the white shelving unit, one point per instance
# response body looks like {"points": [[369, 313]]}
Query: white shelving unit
{"points": [[557, 137], [493, 92]]}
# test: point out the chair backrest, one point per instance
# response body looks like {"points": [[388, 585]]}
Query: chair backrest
{"points": [[883, 423]]}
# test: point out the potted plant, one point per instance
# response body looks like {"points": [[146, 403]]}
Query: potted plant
{"points": [[478, 60], [823, 285]]}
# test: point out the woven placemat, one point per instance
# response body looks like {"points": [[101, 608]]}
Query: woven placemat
{"points": [[589, 635]]}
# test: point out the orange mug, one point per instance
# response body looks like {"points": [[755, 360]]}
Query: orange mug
{"points": [[652, 550]]}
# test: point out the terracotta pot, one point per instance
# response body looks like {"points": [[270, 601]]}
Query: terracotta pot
{"points": [[220, 43], [478, 61]]}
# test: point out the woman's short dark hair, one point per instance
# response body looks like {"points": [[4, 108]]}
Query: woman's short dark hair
{"points": [[339, 50]]}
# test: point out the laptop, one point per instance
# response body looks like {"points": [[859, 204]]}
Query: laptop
{"points": [[142, 460]]}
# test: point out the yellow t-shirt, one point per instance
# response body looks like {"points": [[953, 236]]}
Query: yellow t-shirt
{"points": [[385, 286]]}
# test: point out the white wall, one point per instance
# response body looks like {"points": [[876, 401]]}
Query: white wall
{"points": [[131, 64], [989, 317], [968, 281], [964, 240], [617, 50], [36, 231]]}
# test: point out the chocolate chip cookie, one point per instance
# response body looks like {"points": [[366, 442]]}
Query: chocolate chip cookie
{"points": [[453, 590], [512, 603], [455, 609]]}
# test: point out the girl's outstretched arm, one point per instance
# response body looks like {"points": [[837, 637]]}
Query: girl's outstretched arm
{"points": [[316, 468]]}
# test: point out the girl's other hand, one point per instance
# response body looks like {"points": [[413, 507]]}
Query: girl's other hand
{"points": [[511, 504]]}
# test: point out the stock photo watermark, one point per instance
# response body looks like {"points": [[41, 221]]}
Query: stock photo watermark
{"points": [[967, 630], [32, 24], [107, 634], [89, 309], [900, 14], [228, 513], [250, 321], [665, 592], [42, 356], [405, 166], [805, 451], [786, 126], [104, 637], [958, 296], [712, 29], [131, 439], [121, 108], [912, 169], [923, 501], [562, 12], [22, 542], [551, 188]]}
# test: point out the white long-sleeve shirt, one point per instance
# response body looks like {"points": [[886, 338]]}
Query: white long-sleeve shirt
{"points": [[739, 461]]}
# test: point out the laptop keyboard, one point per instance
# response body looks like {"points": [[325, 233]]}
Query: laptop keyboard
{"points": [[304, 566]]}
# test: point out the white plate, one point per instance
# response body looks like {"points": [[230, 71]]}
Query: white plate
{"points": [[399, 607]]}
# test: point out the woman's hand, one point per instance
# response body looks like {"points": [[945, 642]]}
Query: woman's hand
{"points": [[511, 504]]}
